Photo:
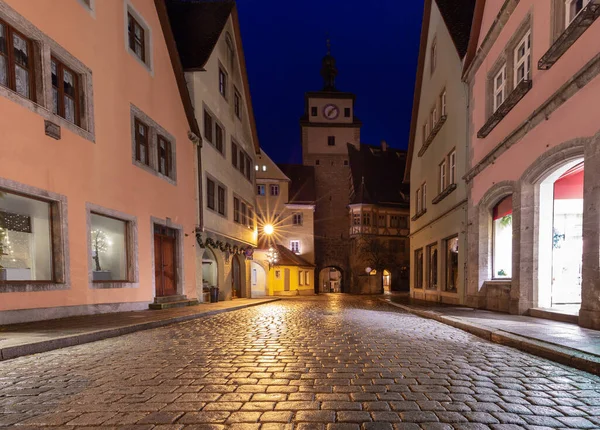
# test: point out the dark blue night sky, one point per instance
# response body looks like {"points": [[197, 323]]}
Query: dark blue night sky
{"points": [[375, 44]]}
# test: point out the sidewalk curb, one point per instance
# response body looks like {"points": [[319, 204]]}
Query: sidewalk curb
{"points": [[560, 354], [16, 351]]}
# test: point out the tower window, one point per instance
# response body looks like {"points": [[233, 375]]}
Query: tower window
{"points": [[331, 140], [347, 112], [313, 111]]}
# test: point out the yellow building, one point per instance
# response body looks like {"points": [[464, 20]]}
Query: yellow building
{"points": [[283, 264]]}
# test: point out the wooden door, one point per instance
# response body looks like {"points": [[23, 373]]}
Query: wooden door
{"points": [[286, 279], [236, 281], [165, 261]]}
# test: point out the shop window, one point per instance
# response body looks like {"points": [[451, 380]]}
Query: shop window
{"points": [[26, 250], [432, 267], [108, 238], [418, 276], [451, 264], [502, 239]]}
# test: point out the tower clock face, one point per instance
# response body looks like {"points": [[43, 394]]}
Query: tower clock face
{"points": [[331, 111]]}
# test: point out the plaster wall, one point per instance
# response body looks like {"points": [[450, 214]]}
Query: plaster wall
{"points": [[101, 171]]}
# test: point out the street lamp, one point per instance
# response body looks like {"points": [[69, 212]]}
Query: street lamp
{"points": [[272, 257], [268, 229]]}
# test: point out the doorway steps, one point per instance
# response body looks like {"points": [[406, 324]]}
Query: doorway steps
{"points": [[169, 302], [554, 315]]}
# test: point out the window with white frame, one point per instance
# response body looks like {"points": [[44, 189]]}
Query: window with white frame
{"points": [[418, 200], [452, 163], [295, 246], [433, 117], [443, 103], [572, 9], [442, 175], [522, 55], [499, 88]]}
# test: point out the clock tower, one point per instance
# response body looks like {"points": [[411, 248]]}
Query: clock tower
{"points": [[328, 128]]}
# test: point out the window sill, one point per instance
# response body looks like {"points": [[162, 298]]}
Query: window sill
{"points": [[432, 135], [441, 196], [45, 113], [419, 215], [154, 172], [111, 285], [511, 101], [31, 286], [578, 26]]}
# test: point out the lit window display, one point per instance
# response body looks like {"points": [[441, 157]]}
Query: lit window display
{"points": [[502, 239], [108, 238], [25, 239]]}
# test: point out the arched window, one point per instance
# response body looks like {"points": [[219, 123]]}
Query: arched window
{"points": [[502, 239]]}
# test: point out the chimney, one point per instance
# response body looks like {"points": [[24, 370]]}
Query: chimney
{"points": [[383, 145]]}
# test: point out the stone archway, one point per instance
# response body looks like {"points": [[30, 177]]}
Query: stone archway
{"points": [[330, 280]]}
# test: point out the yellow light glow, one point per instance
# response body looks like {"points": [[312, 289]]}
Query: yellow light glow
{"points": [[268, 229]]}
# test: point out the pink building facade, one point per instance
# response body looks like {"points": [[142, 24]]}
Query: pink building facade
{"points": [[534, 151], [98, 177]]}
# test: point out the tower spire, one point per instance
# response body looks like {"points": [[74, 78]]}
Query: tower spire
{"points": [[328, 69]]}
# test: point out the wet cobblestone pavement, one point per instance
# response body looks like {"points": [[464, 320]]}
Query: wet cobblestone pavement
{"points": [[329, 362]]}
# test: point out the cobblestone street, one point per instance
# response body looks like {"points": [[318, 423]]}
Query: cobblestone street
{"points": [[329, 362]]}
